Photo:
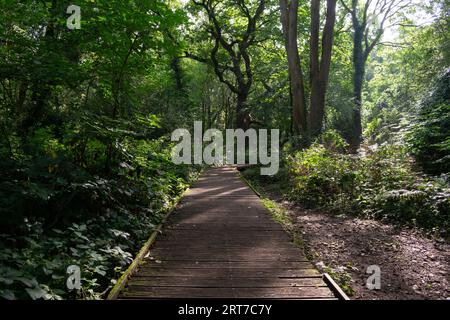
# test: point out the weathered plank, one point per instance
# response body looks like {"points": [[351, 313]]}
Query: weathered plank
{"points": [[191, 264], [264, 293], [235, 273], [203, 282]]}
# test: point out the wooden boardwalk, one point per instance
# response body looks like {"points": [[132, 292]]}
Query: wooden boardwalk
{"points": [[222, 243]]}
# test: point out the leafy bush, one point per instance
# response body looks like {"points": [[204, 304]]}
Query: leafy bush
{"points": [[322, 178], [332, 140], [58, 207], [425, 205], [34, 258], [381, 184], [430, 138]]}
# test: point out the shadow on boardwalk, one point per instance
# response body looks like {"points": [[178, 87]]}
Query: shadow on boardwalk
{"points": [[221, 243]]}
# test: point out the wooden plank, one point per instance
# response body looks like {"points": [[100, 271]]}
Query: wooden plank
{"points": [[225, 258], [146, 298], [334, 287], [228, 247], [200, 227], [234, 251], [220, 265], [236, 273], [202, 282], [220, 196], [263, 293], [226, 242], [183, 236]]}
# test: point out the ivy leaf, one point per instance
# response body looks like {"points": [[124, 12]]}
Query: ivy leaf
{"points": [[7, 294], [6, 281], [100, 270], [27, 282], [36, 292]]}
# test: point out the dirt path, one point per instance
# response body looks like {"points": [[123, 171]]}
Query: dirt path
{"points": [[412, 265]]}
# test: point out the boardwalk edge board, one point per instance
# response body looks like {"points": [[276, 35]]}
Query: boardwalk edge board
{"points": [[335, 287], [122, 281]]}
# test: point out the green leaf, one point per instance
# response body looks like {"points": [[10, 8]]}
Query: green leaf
{"points": [[7, 294], [36, 292], [28, 282]]}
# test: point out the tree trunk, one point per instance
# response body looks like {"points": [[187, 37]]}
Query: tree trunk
{"points": [[178, 73], [320, 69], [41, 88], [21, 97], [289, 23], [242, 116], [358, 79], [209, 122]]}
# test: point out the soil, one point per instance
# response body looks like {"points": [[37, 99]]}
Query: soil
{"points": [[413, 266]]}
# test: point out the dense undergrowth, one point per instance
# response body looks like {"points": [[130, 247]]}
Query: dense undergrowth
{"points": [[60, 207], [381, 183]]}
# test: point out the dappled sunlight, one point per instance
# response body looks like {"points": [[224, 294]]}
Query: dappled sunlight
{"points": [[228, 247]]}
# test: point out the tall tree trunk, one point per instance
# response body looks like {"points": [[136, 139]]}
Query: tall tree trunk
{"points": [[242, 117], [21, 97], [209, 122], [320, 69], [36, 109], [289, 21], [358, 79], [366, 35], [40, 88], [178, 73]]}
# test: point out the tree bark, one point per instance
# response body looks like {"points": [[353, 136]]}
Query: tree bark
{"points": [[359, 62], [243, 120], [178, 73], [289, 21], [365, 38], [320, 68], [319, 64]]}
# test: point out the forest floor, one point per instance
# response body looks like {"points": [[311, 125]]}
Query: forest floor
{"points": [[413, 266]]}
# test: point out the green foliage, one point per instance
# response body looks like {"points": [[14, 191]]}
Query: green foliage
{"points": [[398, 93], [322, 177], [381, 184], [55, 213], [425, 205], [86, 171], [430, 138], [333, 141]]}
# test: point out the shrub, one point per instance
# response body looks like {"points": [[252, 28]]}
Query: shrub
{"points": [[332, 140], [322, 178], [430, 138], [57, 209], [381, 184], [424, 206]]}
